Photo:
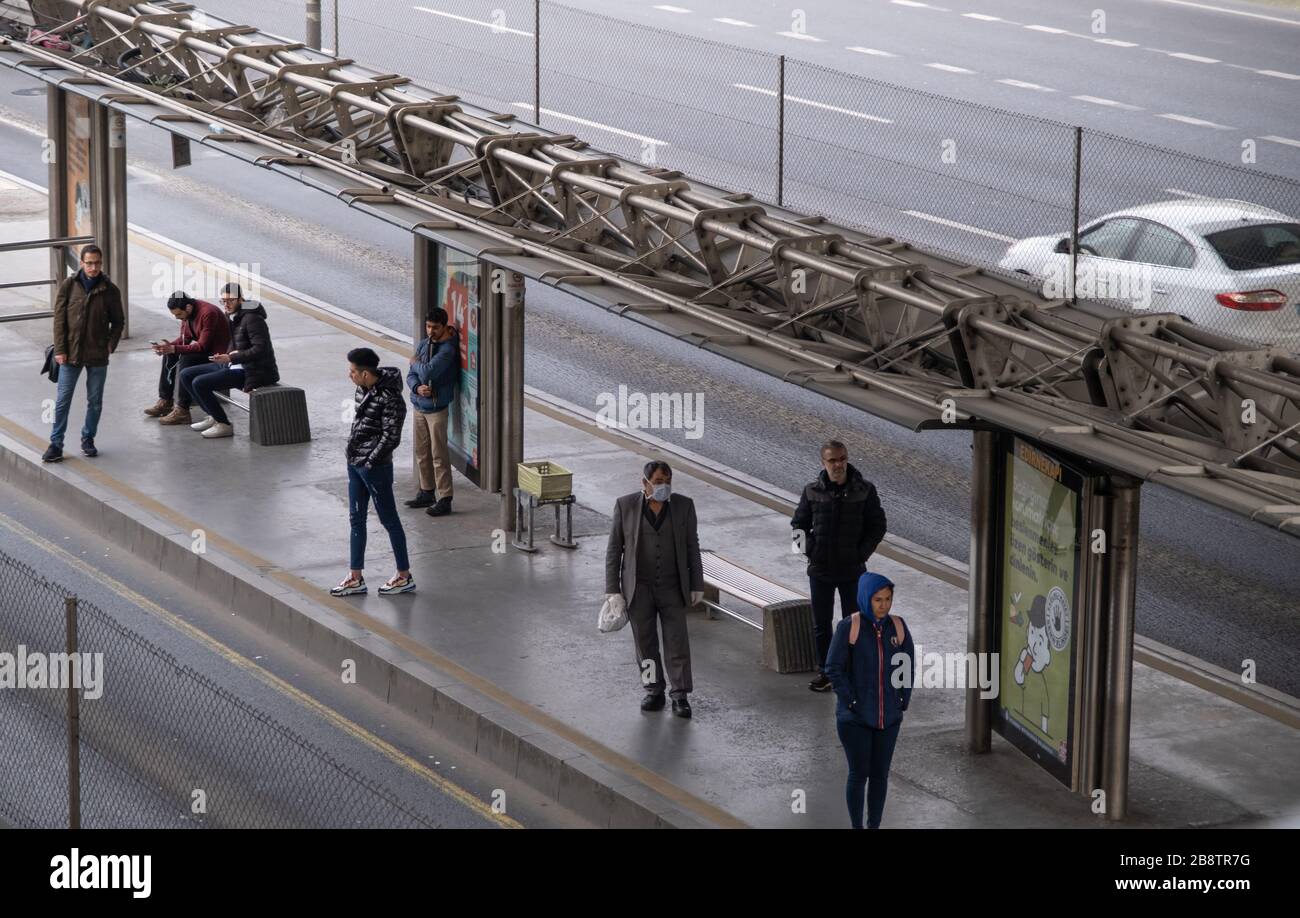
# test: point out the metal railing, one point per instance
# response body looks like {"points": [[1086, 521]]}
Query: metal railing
{"points": [[60, 244]]}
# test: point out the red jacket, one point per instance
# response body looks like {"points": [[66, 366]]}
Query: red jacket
{"points": [[206, 331]]}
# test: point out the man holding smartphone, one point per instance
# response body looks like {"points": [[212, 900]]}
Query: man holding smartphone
{"points": [[205, 331]]}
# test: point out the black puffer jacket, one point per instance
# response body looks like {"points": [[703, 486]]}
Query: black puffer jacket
{"points": [[377, 424], [842, 526], [251, 346]]}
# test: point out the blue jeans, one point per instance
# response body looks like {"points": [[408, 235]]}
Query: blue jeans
{"points": [[869, 752], [201, 381], [68, 375], [822, 594], [377, 484]]}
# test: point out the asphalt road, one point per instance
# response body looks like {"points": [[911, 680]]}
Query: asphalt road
{"points": [[161, 729], [888, 147], [1210, 583]]}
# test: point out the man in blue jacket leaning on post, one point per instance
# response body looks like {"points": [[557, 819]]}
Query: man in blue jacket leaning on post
{"points": [[432, 379]]}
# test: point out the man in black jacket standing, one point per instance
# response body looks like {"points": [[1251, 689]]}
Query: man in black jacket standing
{"points": [[840, 522], [376, 431]]}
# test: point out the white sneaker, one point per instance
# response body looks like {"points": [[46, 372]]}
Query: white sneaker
{"points": [[203, 424], [217, 431]]}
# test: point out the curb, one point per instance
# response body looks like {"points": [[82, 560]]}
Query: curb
{"points": [[561, 770]]}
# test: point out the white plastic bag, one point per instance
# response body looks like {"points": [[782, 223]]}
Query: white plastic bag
{"points": [[613, 614]]}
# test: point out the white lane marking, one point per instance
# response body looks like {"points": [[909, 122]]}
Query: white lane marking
{"points": [[1220, 9], [1051, 30], [873, 51], [672, 9], [594, 124], [1188, 194], [1195, 122], [1021, 84], [495, 27], [1109, 102], [813, 103], [923, 6], [802, 36], [1183, 55], [1286, 140], [736, 22], [1115, 42], [961, 226], [949, 68], [1279, 74], [983, 17]]}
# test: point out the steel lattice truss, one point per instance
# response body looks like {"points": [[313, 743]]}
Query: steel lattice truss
{"points": [[850, 307]]}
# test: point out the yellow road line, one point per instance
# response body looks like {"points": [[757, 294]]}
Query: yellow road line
{"points": [[337, 720]]}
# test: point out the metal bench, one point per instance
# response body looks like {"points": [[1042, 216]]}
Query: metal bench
{"points": [[277, 415], [788, 642]]}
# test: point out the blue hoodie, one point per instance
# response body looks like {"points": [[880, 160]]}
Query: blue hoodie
{"points": [[439, 369], [863, 674]]}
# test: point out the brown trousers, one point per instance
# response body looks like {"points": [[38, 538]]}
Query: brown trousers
{"points": [[431, 454]]}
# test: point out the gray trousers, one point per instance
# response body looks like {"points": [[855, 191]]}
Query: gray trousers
{"points": [[651, 605]]}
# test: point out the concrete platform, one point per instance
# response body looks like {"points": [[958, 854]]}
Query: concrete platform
{"points": [[500, 649]]}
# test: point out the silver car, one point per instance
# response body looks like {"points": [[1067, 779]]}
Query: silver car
{"points": [[1229, 265]]}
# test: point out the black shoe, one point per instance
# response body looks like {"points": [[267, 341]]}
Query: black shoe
{"points": [[53, 454], [88, 447], [441, 508], [681, 708], [654, 701], [423, 499], [821, 683]]}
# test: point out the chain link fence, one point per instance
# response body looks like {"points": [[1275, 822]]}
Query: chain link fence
{"points": [[158, 744], [981, 185]]}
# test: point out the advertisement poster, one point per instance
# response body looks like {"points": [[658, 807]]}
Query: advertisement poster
{"points": [[1039, 597], [76, 170], [458, 293]]}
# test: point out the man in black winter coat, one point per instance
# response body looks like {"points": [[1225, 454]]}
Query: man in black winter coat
{"points": [[248, 365], [838, 524]]}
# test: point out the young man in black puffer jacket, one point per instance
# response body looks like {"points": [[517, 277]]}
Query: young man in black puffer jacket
{"points": [[376, 433], [249, 365], [840, 522]]}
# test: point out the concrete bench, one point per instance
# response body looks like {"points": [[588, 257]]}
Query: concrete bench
{"points": [[277, 415], [788, 642]]}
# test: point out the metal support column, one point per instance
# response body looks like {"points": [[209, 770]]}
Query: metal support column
{"points": [[512, 392], [74, 719], [985, 487], [56, 155], [489, 379], [537, 62], [1074, 224], [421, 302], [1119, 656], [1092, 682], [780, 131], [313, 24], [114, 203]]}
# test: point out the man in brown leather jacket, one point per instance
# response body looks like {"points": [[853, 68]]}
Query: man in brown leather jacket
{"points": [[88, 323]]}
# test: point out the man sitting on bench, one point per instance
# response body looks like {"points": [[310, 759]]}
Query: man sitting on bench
{"points": [[249, 365]]}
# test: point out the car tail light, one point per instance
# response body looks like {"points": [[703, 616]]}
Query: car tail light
{"points": [[1253, 300]]}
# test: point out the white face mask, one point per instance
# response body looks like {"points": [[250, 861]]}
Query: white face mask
{"points": [[661, 492]]}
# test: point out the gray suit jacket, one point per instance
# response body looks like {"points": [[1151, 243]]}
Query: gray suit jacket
{"points": [[620, 555]]}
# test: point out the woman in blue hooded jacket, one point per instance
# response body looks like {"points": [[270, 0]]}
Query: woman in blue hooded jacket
{"points": [[873, 685]]}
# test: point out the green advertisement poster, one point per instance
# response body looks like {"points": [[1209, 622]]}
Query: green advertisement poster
{"points": [[458, 293], [1039, 593]]}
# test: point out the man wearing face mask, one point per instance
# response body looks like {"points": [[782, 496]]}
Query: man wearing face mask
{"points": [[652, 563]]}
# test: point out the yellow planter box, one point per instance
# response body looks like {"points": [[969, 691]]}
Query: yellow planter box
{"points": [[545, 480]]}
